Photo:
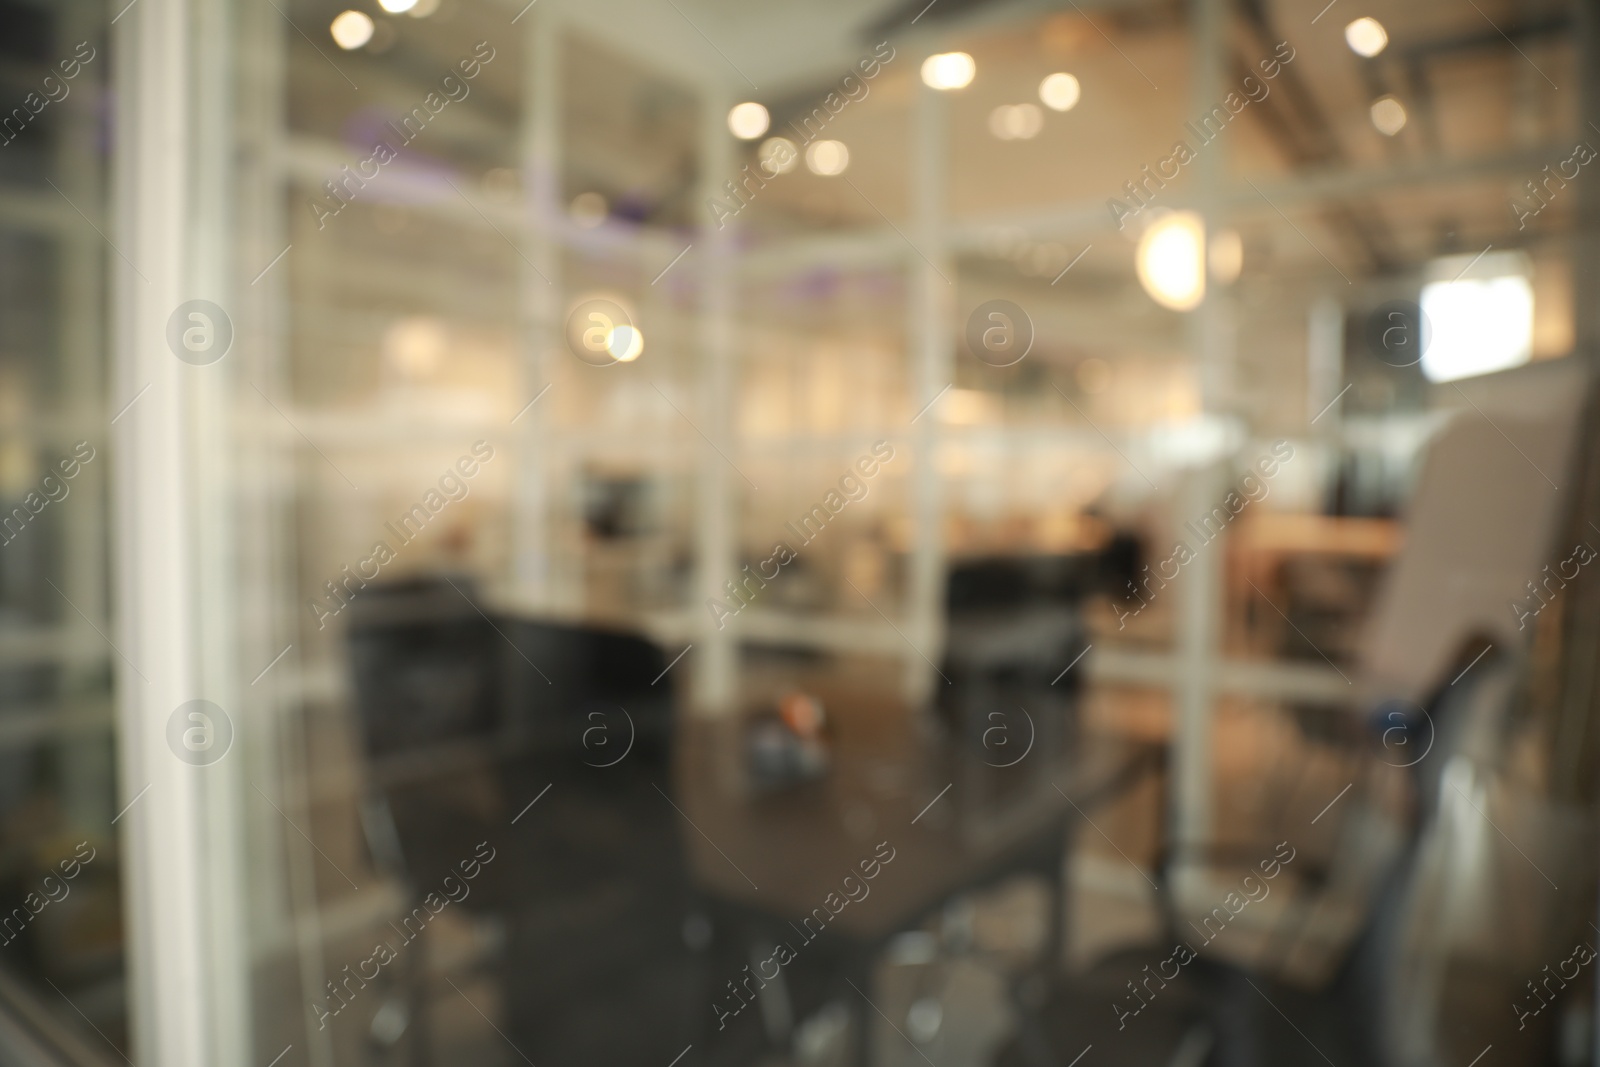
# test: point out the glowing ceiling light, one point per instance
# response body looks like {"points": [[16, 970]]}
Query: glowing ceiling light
{"points": [[748, 120], [1171, 260], [1478, 325], [1388, 115], [948, 70], [1016, 122], [1060, 92], [1366, 37], [827, 158], [625, 343], [396, 7], [351, 29]]}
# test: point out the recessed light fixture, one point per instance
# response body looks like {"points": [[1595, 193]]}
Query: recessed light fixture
{"points": [[1060, 92], [827, 158], [1171, 260], [351, 29], [397, 7], [625, 343], [1366, 37], [1388, 115], [748, 120], [948, 70], [1016, 122]]}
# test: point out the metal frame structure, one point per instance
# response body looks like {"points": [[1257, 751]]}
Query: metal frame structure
{"points": [[202, 566], [182, 886]]}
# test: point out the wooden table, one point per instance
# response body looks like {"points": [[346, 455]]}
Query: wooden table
{"points": [[786, 850], [763, 862]]}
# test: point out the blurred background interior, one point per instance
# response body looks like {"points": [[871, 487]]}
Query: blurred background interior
{"points": [[675, 532]]}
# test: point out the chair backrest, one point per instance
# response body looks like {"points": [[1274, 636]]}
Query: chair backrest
{"points": [[434, 669], [1015, 582], [425, 666], [1482, 522], [466, 713], [585, 692]]}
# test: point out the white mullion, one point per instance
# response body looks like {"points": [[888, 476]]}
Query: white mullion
{"points": [[178, 992]]}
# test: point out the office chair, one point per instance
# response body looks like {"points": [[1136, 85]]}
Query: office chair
{"points": [[597, 956], [1012, 625], [549, 741], [426, 674], [1505, 800]]}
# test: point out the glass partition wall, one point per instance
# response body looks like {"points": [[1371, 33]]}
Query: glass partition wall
{"points": [[62, 958], [489, 298], [365, 380]]}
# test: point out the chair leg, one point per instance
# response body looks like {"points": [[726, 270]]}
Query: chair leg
{"points": [[418, 1052], [864, 1017]]}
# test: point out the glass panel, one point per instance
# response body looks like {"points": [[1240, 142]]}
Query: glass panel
{"points": [[61, 929], [843, 534], [615, 430]]}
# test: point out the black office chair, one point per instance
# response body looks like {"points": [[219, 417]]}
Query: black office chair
{"points": [[1013, 625], [546, 740], [427, 681], [597, 955], [426, 673]]}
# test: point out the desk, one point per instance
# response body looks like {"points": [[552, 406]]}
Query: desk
{"points": [[762, 863], [1265, 542], [604, 889], [794, 846]]}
